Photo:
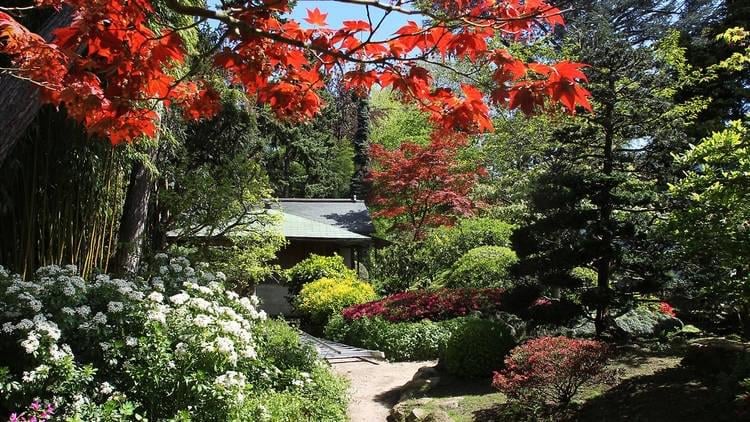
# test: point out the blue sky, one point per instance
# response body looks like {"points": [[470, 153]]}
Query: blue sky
{"points": [[339, 12]]}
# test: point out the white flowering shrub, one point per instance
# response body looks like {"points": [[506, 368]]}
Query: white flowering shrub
{"points": [[173, 345]]}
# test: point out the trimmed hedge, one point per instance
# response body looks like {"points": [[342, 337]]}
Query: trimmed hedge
{"points": [[314, 268], [323, 298], [477, 348], [400, 341], [485, 266]]}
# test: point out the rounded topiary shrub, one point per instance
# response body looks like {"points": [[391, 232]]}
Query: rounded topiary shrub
{"points": [[314, 268], [485, 266], [477, 348], [447, 244], [323, 298]]}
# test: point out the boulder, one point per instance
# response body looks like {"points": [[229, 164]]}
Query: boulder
{"points": [[417, 387], [417, 414], [643, 322], [426, 372]]}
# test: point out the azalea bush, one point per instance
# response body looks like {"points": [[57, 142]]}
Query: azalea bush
{"points": [[314, 268], [175, 344], [400, 341], [328, 296], [552, 370], [435, 305]]}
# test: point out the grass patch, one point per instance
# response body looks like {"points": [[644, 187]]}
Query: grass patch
{"points": [[651, 386]]}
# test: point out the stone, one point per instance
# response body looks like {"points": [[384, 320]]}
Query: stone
{"points": [[426, 372], [417, 415], [646, 323], [417, 387]]}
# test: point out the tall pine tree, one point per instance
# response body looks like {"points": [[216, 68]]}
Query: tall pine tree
{"points": [[593, 205]]}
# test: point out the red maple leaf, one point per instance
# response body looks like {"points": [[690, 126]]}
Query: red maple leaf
{"points": [[315, 17], [110, 65]]}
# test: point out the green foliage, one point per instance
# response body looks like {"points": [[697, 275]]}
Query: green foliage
{"points": [[279, 344], [314, 268], [308, 160], [584, 276], [216, 200], [326, 297], [516, 153], [319, 396], [213, 171], [415, 264], [395, 122], [595, 197], [400, 341], [485, 266], [710, 221], [448, 244], [477, 348], [174, 346], [400, 266]]}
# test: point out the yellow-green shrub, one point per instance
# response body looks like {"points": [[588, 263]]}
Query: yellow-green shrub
{"points": [[323, 298]]}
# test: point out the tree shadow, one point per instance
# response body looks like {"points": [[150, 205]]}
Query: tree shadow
{"points": [[448, 386], [671, 394]]}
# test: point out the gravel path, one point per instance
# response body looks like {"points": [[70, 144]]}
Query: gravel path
{"points": [[375, 389]]}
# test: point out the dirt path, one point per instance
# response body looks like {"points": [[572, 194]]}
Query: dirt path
{"points": [[376, 388]]}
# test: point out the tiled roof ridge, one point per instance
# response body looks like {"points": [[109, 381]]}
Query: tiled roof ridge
{"points": [[343, 200]]}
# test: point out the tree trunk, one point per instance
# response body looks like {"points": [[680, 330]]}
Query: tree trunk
{"points": [[19, 99], [604, 265], [134, 218]]}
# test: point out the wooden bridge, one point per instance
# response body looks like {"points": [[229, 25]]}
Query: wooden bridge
{"points": [[339, 353]]}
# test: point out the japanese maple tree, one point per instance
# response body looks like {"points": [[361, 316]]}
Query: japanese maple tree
{"points": [[115, 64], [419, 187]]}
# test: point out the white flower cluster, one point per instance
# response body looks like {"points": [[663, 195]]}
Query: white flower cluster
{"points": [[209, 324], [208, 318], [39, 330], [40, 373], [232, 382], [303, 380], [129, 290]]}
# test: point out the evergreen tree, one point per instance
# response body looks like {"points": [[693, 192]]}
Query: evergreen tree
{"points": [[307, 160], [361, 143], [593, 205], [701, 24]]}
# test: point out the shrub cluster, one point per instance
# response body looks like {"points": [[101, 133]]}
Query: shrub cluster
{"points": [[448, 244], [551, 370], [477, 348], [400, 341], [435, 305], [485, 266], [177, 346], [314, 268], [409, 265], [323, 298]]}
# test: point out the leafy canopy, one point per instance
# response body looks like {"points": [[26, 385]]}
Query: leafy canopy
{"points": [[114, 63], [419, 187]]}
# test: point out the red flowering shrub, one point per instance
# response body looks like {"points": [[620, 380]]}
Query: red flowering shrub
{"points": [[667, 309], [435, 305], [551, 370]]}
